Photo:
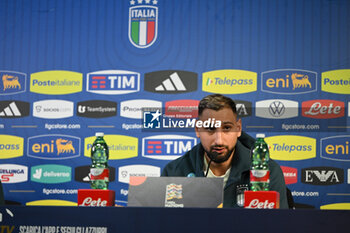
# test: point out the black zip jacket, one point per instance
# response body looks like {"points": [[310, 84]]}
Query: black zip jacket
{"points": [[192, 163]]}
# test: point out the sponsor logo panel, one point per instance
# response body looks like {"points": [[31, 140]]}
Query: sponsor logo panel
{"points": [[96, 109], [336, 81], [182, 108], [12, 82], [289, 81], [82, 174], [143, 24], [349, 176], [166, 147], [10, 146], [290, 174], [243, 108], [171, 81], [14, 109], [125, 172], [53, 146], [291, 147], [336, 206], [56, 82], [13, 173], [336, 148], [113, 82], [51, 174], [322, 175], [276, 109], [229, 81], [323, 109], [51, 202], [120, 146], [133, 108], [53, 109]]}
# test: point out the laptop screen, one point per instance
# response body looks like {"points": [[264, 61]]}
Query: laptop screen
{"points": [[175, 192]]}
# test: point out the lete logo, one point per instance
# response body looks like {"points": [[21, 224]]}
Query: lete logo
{"points": [[53, 146], [323, 109]]}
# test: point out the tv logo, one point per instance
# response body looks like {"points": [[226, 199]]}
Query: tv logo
{"points": [[166, 147], [289, 81], [322, 175], [12, 82], [53, 147], [152, 119], [113, 82]]}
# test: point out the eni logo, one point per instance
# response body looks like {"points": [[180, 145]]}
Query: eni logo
{"points": [[53, 146], [289, 81], [10, 82]]}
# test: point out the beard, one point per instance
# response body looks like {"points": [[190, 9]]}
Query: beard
{"points": [[217, 157]]}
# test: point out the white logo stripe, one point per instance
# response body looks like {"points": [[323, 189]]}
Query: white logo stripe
{"points": [[8, 112], [143, 33], [177, 81], [168, 85], [14, 109]]}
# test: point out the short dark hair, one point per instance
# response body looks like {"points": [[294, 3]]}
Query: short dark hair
{"points": [[216, 102]]}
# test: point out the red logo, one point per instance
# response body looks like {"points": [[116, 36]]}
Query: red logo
{"points": [[323, 109], [261, 199], [290, 174], [182, 108], [96, 197]]}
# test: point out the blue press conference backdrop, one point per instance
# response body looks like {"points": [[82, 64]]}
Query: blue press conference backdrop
{"points": [[72, 68]]}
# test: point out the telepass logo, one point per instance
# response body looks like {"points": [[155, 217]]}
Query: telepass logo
{"points": [[143, 23]]}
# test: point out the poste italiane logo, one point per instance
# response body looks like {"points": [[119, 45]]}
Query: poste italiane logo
{"points": [[12, 82], [120, 146], [56, 82], [143, 23], [10, 146], [289, 81], [336, 81], [291, 147], [229, 81]]}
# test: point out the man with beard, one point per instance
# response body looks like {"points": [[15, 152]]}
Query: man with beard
{"points": [[223, 152]]}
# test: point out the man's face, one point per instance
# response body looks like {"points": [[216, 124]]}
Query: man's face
{"points": [[219, 143]]}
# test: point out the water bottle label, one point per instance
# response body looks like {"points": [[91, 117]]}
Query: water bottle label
{"points": [[259, 176], [99, 174]]}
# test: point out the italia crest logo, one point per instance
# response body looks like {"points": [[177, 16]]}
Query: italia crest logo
{"points": [[143, 23]]}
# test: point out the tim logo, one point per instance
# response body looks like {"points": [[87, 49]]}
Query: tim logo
{"points": [[12, 82], [322, 175], [152, 119], [336, 148], [143, 23], [113, 82], [166, 147], [53, 147], [289, 81]]}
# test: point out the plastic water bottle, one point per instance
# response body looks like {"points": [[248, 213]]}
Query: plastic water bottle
{"points": [[259, 170], [99, 172]]}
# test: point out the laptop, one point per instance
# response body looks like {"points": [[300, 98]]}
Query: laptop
{"points": [[175, 192]]}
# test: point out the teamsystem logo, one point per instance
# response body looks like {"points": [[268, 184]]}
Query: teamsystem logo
{"points": [[155, 120], [143, 23]]}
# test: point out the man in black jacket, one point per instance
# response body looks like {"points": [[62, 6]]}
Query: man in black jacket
{"points": [[223, 152]]}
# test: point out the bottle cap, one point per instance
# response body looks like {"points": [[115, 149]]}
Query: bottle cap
{"points": [[260, 135], [99, 134]]}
